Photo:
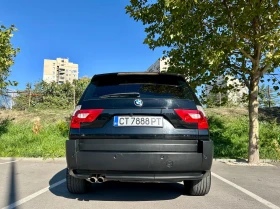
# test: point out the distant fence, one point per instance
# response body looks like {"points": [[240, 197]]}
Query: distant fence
{"points": [[7, 97], [11, 99]]}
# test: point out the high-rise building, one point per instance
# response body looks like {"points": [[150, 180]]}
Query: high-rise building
{"points": [[60, 70], [159, 66]]}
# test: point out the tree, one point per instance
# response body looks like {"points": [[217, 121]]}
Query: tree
{"points": [[210, 38], [52, 94], [222, 93], [80, 86], [7, 55]]}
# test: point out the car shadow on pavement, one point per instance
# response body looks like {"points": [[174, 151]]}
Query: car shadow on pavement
{"points": [[120, 191], [12, 191]]}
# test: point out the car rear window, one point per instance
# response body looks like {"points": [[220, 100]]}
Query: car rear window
{"points": [[147, 86]]}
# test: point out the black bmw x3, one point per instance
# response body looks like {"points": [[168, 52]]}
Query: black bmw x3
{"points": [[139, 127]]}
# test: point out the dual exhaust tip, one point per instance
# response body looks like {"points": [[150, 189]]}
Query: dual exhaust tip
{"points": [[100, 179]]}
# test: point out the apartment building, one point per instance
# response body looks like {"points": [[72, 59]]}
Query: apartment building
{"points": [[60, 70], [159, 66]]}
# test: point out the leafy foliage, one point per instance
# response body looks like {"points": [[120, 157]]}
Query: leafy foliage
{"points": [[206, 38], [80, 86], [215, 100], [52, 94], [7, 55]]}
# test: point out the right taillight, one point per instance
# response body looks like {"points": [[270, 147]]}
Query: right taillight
{"points": [[193, 116], [84, 116]]}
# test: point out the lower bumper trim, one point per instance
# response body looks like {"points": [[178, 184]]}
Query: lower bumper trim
{"points": [[155, 177], [144, 177]]}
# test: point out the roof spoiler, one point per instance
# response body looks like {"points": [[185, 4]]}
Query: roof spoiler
{"points": [[136, 73]]}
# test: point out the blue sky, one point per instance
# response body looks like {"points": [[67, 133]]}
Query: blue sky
{"points": [[96, 34]]}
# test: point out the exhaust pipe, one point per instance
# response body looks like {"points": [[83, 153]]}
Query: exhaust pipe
{"points": [[101, 179], [92, 180]]}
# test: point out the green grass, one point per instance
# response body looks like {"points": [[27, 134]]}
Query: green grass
{"points": [[19, 139], [230, 136]]}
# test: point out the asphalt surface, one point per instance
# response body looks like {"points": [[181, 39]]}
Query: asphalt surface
{"points": [[27, 182]]}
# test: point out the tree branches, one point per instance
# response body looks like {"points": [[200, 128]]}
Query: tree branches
{"points": [[7, 54]]}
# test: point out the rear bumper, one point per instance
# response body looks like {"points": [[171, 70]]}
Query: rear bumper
{"points": [[160, 160]]}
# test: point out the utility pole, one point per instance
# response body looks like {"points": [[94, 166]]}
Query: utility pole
{"points": [[268, 94], [12, 99], [29, 98], [74, 99]]}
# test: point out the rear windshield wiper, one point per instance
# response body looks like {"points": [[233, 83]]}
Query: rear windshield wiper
{"points": [[121, 95]]}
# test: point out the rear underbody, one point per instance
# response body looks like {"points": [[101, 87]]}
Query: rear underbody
{"points": [[141, 160]]}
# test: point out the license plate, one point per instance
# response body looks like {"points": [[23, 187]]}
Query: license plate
{"points": [[149, 121]]}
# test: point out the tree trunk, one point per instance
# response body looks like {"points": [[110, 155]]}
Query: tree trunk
{"points": [[253, 151]]}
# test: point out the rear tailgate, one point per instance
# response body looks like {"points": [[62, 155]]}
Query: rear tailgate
{"points": [[172, 125]]}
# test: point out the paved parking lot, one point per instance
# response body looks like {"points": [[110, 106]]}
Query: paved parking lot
{"points": [[41, 184]]}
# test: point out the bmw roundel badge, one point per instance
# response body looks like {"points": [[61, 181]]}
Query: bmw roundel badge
{"points": [[138, 102]]}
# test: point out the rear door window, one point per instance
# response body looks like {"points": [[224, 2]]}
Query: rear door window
{"points": [[138, 86]]}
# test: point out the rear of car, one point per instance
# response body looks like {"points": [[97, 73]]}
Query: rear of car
{"points": [[139, 127]]}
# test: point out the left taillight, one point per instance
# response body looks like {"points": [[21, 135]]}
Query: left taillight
{"points": [[84, 116]]}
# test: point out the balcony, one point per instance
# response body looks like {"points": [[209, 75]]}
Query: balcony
{"points": [[60, 71]]}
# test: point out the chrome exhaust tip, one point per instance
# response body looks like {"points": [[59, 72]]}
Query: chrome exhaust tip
{"points": [[101, 179], [92, 179]]}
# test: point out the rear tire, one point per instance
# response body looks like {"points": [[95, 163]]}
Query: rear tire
{"points": [[198, 187], [75, 185]]}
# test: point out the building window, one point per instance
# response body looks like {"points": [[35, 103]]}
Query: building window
{"points": [[62, 60]]}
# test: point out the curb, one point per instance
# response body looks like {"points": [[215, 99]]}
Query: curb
{"points": [[33, 159], [243, 160]]}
